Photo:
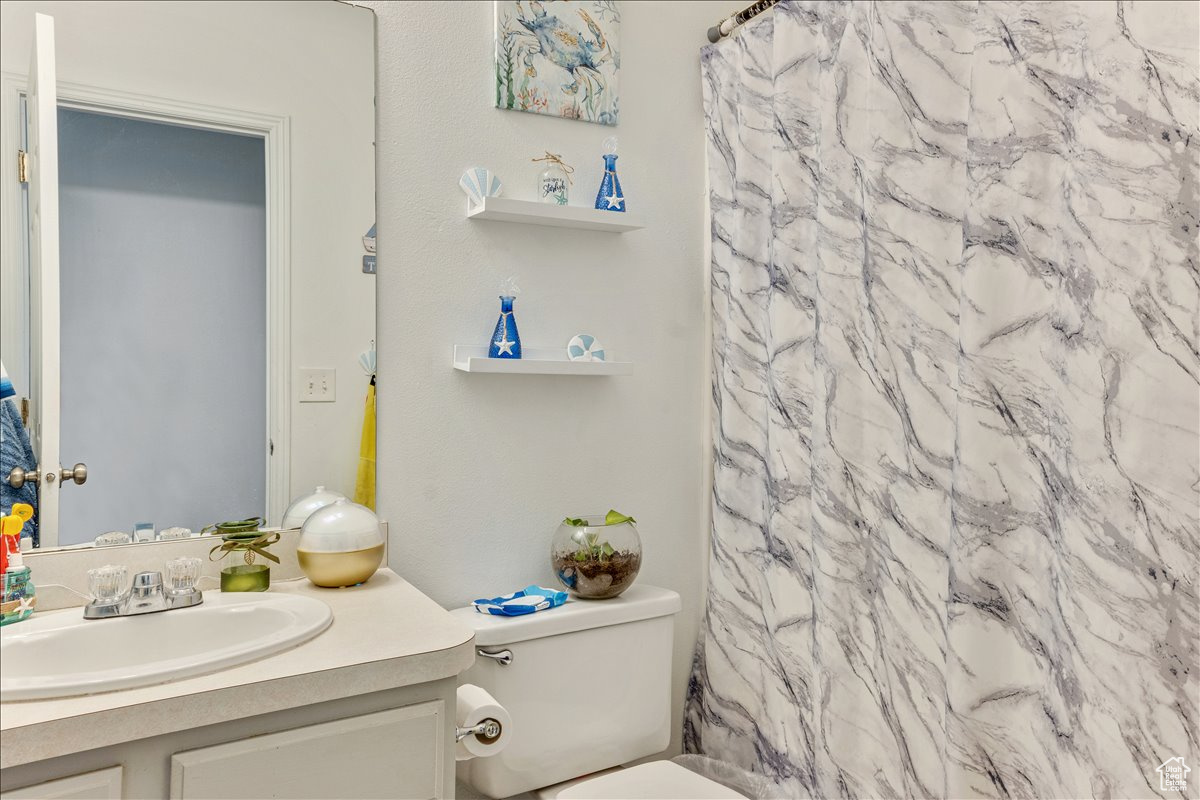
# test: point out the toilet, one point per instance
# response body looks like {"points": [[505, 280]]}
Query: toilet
{"points": [[588, 687]]}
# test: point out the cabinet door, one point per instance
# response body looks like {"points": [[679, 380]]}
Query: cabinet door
{"points": [[103, 784], [388, 754]]}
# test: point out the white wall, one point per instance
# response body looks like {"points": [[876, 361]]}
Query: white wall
{"points": [[475, 471], [310, 61]]}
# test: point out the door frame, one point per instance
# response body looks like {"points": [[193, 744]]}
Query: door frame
{"points": [[274, 130]]}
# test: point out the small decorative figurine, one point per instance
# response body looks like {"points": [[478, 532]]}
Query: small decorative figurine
{"points": [[555, 180], [584, 347], [479, 183], [506, 341], [609, 198]]}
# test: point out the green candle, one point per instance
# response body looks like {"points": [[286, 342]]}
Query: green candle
{"points": [[246, 578]]}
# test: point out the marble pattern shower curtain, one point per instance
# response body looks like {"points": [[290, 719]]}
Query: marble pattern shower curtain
{"points": [[955, 386]]}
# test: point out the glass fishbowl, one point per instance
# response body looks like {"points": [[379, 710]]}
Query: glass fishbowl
{"points": [[596, 556]]}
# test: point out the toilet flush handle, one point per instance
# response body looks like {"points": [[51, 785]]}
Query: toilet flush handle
{"points": [[505, 657]]}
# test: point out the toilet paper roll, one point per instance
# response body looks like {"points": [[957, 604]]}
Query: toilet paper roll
{"points": [[474, 706]]}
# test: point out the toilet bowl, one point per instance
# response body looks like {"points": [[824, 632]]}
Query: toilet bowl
{"points": [[588, 688]]}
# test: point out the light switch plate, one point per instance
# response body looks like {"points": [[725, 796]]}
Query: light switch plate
{"points": [[318, 385]]}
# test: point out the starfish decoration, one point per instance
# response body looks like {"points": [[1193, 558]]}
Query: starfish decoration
{"points": [[26, 604], [503, 345], [614, 200]]}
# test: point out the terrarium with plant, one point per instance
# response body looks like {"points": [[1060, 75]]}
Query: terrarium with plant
{"points": [[597, 556]]}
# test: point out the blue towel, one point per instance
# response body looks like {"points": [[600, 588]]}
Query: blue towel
{"points": [[525, 601], [16, 451]]}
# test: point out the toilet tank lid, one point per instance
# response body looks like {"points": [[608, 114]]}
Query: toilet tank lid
{"points": [[635, 603]]}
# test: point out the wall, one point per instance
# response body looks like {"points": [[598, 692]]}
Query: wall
{"points": [[475, 471], [317, 69], [149, 214]]}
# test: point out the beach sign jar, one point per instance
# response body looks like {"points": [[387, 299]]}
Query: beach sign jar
{"points": [[554, 182]]}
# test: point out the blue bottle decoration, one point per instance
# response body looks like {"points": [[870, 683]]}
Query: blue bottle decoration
{"points": [[610, 198], [506, 341]]}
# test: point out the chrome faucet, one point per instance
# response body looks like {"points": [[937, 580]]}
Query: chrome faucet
{"points": [[146, 595]]}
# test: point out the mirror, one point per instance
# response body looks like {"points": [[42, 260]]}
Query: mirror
{"points": [[208, 355]]}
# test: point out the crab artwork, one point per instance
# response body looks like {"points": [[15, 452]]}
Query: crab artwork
{"points": [[558, 57]]}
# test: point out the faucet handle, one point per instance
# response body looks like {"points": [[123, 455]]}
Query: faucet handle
{"points": [[182, 574], [147, 583], [107, 584]]}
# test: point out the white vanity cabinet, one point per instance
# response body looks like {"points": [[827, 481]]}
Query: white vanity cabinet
{"points": [[387, 754], [365, 709], [102, 784], [392, 744]]}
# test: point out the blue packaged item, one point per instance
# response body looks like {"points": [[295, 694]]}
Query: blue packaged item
{"points": [[525, 601]]}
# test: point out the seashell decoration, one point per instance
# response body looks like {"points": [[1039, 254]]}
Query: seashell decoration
{"points": [[584, 347], [479, 183]]}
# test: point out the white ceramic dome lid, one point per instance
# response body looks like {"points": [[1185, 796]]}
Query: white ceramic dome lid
{"points": [[340, 527], [303, 507]]}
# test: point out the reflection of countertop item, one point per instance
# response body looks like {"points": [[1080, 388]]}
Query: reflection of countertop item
{"points": [[385, 634], [303, 507]]}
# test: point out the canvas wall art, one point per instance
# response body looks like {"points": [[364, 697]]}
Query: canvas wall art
{"points": [[559, 57]]}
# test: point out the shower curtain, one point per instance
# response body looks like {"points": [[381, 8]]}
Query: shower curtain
{"points": [[955, 400]]}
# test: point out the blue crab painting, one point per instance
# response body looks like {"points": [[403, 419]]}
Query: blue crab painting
{"points": [[558, 57]]}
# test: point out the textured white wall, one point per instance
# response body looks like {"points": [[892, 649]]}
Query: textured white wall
{"points": [[476, 470]]}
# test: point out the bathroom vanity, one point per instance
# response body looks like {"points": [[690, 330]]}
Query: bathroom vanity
{"points": [[365, 709]]}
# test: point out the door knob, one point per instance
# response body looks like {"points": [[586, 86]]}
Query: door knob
{"points": [[78, 473], [17, 477]]}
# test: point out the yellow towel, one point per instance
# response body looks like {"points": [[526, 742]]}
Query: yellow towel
{"points": [[364, 486]]}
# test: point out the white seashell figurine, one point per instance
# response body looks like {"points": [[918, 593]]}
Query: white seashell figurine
{"points": [[479, 183]]}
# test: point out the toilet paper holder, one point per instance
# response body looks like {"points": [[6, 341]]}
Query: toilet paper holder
{"points": [[487, 731]]}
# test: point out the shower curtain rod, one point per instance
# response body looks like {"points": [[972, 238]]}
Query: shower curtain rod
{"points": [[726, 26]]}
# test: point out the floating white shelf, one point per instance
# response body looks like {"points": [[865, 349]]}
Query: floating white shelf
{"points": [[529, 212], [534, 361]]}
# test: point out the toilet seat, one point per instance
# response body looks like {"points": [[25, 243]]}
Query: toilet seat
{"points": [[658, 780]]}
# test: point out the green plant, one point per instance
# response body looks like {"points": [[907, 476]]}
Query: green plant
{"points": [[591, 546]]}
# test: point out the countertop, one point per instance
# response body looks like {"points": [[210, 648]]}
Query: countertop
{"points": [[385, 634]]}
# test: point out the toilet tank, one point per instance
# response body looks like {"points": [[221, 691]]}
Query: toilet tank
{"points": [[588, 688]]}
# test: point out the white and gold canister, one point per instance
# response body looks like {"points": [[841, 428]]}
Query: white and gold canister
{"points": [[340, 544]]}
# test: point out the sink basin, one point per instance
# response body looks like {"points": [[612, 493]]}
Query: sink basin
{"points": [[59, 654]]}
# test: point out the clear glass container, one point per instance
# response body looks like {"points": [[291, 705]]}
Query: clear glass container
{"points": [[553, 185], [250, 576], [246, 578], [594, 559]]}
